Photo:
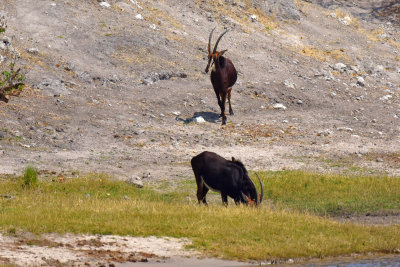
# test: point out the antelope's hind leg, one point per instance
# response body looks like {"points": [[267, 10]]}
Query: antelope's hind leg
{"points": [[229, 100], [202, 191], [223, 102]]}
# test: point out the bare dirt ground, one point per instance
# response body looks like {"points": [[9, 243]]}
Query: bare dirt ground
{"points": [[87, 250], [114, 89]]}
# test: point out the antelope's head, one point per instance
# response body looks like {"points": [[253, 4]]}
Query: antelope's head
{"points": [[214, 55], [249, 190]]}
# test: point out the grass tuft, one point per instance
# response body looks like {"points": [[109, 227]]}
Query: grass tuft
{"points": [[30, 178]]}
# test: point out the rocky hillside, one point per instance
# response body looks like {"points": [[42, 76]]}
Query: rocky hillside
{"points": [[118, 86]]}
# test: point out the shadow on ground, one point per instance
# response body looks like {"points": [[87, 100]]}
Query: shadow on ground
{"points": [[206, 115]]}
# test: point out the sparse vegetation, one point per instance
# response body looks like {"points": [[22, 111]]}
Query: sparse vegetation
{"points": [[98, 205]]}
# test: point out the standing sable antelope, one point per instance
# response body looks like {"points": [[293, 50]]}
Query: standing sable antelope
{"points": [[223, 75], [230, 178]]}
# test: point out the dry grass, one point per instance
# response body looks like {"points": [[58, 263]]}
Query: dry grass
{"points": [[322, 55]]}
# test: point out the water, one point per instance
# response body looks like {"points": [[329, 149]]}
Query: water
{"points": [[393, 261], [390, 261]]}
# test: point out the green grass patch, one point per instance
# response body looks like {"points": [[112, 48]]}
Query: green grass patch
{"points": [[98, 205], [330, 194]]}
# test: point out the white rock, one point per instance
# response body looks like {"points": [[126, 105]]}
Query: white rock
{"points": [[360, 81], [279, 106], [340, 67], [289, 84], [139, 16], [346, 129], [199, 119], [332, 15], [386, 97], [33, 51], [176, 113], [253, 18], [355, 68], [105, 4], [379, 68], [135, 181], [153, 26]]}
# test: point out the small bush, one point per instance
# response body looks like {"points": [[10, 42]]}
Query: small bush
{"points": [[11, 78], [30, 177]]}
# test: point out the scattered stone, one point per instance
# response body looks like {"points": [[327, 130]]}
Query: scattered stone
{"points": [[325, 133], [340, 67], [279, 106], [386, 97], [139, 17], [176, 113], [379, 68], [299, 102], [155, 77], [104, 4], [379, 160], [135, 181], [360, 81], [153, 26], [53, 87], [345, 129], [33, 51], [199, 119], [345, 21], [289, 84], [253, 18], [355, 69]]}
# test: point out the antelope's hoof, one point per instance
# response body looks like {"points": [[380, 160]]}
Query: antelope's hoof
{"points": [[231, 112], [223, 121]]}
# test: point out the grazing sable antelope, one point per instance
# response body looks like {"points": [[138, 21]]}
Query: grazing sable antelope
{"points": [[223, 75], [230, 178]]}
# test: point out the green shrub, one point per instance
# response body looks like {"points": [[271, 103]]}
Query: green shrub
{"points": [[30, 177], [11, 78]]}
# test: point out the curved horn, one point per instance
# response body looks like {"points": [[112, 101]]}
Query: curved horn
{"points": [[209, 40], [262, 189], [219, 38], [209, 50]]}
